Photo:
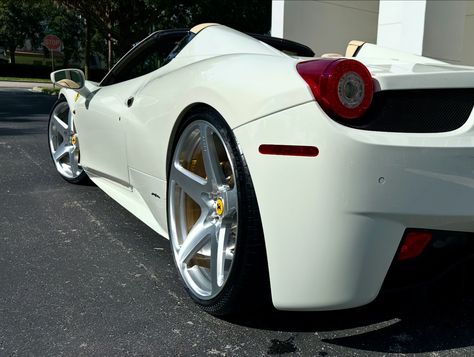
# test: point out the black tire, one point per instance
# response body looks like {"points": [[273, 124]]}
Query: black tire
{"points": [[247, 285], [82, 178]]}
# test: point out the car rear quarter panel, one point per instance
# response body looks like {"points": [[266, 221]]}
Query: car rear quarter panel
{"points": [[241, 88], [333, 223]]}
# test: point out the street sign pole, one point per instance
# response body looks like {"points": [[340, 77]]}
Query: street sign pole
{"points": [[52, 65], [52, 43]]}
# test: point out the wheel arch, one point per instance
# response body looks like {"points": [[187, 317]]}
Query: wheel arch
{"points": [[180, 120], [68, 95], [253, 264]]}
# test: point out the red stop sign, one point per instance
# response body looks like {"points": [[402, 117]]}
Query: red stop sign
{"points": [[52, 42]]}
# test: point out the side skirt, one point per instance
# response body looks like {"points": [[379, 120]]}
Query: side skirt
{"points": [[129, 198]]}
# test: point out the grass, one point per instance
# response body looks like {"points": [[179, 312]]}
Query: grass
{"points": [[18, 79], [37, 59], [51, 91]]}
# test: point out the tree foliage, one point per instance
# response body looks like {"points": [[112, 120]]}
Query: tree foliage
{"points": [[112, 27], [69, 27], [20, 20], [244, 15], [125, 22]]}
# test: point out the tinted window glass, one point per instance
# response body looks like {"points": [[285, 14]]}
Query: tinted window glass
{"points": [[147, 57], [144, 63]]}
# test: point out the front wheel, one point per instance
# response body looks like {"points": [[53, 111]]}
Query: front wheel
{"points": [[214, 223], [64, 144]]}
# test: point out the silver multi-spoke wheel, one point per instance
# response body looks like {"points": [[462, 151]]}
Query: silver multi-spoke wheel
{"points": [[63, 142], [203, 209]]}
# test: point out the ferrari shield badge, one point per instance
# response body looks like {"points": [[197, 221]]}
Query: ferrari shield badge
{"points": [[220, 206]]}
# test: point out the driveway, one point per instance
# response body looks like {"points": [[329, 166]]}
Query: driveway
{"points": [[79, 275]]}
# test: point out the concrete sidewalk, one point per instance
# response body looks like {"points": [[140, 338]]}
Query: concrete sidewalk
{"points": [[18, 84]]}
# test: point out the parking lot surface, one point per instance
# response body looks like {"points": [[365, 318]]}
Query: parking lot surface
{"points": [[79, 275]]}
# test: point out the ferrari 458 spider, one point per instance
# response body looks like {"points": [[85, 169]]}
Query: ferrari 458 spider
{"points": [[270, 170]]}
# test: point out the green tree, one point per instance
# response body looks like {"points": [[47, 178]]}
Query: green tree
{"points": [[88, 11], [125, 22], [243, 15], [122, 22], [20, 20], [69, 27]]}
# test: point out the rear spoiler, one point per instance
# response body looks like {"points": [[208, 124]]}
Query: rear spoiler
{"points": [[300, 50], [287, 46]]}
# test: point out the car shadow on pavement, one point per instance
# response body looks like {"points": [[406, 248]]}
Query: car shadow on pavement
{"points": [[25, 104], [422, 319], [19, 132], [21, 118]]}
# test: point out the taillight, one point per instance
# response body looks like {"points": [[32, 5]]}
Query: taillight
{"points": [[343, 87]]}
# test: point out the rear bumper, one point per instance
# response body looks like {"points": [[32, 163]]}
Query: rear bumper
{"points": [[333, 223]]}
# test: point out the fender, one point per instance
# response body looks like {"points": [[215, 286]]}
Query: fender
{"points": [[72, 96]]}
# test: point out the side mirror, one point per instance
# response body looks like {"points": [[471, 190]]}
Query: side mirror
{"points": [[71, 79]]}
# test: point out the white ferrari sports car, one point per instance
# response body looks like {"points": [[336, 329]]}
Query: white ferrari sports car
{"points": [[316, 181]]}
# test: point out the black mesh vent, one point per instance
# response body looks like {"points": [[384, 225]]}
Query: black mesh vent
{"points": [[417, 111]]}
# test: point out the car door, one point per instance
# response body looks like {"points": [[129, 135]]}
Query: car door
{"points": [[100, 127], [101, 121]]}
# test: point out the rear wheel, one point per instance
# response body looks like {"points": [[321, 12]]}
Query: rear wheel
{"points": [[214, 224], [64, 144]]}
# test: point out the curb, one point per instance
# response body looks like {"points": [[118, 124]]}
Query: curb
{"points": [[45, 90]]}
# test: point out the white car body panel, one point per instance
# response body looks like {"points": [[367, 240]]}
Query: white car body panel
{"points": [[331, 225], [221, 40], [331, 235], [215, 82]]}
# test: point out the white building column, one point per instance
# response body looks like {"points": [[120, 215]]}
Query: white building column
{"points": [[278, 18], [432, 28], [401, 25]]}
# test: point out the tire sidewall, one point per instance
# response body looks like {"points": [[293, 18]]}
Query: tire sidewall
{"points": [[82, 178], [234, 286]]}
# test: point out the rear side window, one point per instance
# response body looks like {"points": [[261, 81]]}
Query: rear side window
{"points": [[148, 56]]}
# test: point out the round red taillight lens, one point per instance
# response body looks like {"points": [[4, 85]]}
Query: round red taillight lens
{"points": [[343, 87]]}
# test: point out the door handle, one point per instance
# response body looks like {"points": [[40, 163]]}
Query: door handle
{"points": [[130, 101]]}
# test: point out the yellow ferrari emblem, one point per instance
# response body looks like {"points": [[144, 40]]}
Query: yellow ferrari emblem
{"points": [[76, 98], [220, 206], [73, 139]]}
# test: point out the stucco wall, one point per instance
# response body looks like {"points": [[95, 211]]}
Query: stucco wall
{"points": [[442, 29], [444, 35], [468, 39], [327, 26]]}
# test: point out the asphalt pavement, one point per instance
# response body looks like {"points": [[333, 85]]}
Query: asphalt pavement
{"points": [[79, 275]]}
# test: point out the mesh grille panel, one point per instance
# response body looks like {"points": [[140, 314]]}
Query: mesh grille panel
{"points": [[417, 111]]}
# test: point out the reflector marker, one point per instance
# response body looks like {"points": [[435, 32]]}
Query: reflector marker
{"points": [[288, 150], [414, 244]]}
